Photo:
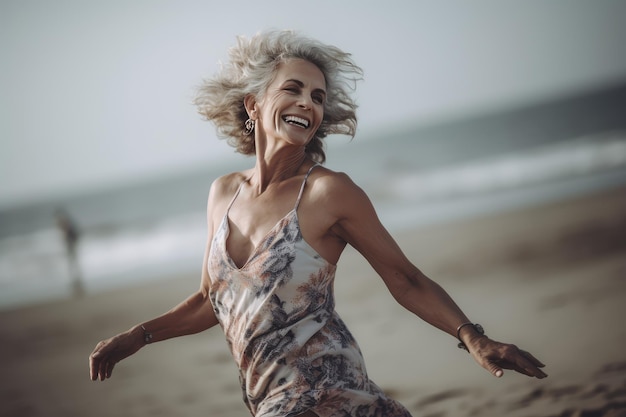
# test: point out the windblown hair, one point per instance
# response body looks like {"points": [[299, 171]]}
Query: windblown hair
{"points": [[251, 69]]}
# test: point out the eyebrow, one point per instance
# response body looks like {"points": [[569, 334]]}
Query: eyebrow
{"points": [[301, 85]]}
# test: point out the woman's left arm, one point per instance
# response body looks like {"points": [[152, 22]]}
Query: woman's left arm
{"points": [[358, 225]]}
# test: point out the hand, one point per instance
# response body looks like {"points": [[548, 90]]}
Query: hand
{"points": [[109, 352], [495, 356]]}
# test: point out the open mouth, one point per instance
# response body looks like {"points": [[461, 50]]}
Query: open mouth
{"points": [[296, 121]]}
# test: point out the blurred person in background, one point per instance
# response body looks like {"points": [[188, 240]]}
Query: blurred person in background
{"points": [[70, 235]]}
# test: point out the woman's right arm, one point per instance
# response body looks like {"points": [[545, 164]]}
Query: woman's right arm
{"points": [[193, 315]]}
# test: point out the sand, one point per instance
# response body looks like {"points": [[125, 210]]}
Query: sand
{"points": [[551, 279]]}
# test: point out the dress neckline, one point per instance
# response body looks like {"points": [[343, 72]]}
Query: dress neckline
{"points": [[262, 243], [226, 222]]}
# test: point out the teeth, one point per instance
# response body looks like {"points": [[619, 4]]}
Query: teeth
{"points": [[297, 121]]}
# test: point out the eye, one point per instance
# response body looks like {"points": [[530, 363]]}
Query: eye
{"points": [[318, 98]]}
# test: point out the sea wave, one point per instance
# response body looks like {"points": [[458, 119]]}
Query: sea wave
{"points": [[568, 159]]}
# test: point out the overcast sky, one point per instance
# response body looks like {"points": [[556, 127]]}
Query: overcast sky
{"points": [[94, 93]]}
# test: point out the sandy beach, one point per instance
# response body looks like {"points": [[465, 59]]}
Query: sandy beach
{"points": [[551, 279]]}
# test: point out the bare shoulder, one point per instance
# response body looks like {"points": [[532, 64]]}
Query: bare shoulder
{"points": [[223, 189], [324, 180], [335, 190], [227, 184]]}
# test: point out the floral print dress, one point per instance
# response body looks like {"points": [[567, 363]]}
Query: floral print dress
{"points": [[293, 351]]}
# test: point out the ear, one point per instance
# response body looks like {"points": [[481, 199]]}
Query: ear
{"points": [[250, 103]]}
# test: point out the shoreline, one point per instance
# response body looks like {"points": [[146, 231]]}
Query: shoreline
{"points": [[178, 254]]}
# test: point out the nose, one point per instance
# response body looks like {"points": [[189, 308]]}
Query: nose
{"points": [[305, 102]]}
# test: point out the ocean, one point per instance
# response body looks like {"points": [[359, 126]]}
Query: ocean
{"points": [[415, 176]]}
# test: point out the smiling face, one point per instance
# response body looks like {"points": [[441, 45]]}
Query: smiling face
{"points": [[292, 108]]}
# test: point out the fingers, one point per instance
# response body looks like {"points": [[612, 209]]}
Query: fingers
{"points": [[100, 363], [523, 370], [102, 370], [109, 369], [534, 360], [531, 365], [94, 365], [495, 357]]}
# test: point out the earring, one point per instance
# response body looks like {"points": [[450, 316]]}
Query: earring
{"points": [[249, 127]]}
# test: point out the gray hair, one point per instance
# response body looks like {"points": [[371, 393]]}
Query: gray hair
{"points": [[252, 67]]}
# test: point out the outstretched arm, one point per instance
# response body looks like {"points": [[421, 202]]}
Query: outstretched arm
{"points": [[193, 315], [359, 226]]}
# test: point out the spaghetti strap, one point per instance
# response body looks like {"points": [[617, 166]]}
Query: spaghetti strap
{"points": [[302, 187], [235, 195]]}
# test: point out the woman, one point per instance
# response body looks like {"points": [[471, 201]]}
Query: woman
{"points": [[275, 234]]}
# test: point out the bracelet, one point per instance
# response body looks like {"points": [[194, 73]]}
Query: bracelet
{"points": [[479, 329], [147, 336]]}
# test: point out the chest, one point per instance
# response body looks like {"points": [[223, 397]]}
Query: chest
{"points": [[250, 221]]}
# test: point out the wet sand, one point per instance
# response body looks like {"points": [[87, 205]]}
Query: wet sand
{"points": [[551, 279]]}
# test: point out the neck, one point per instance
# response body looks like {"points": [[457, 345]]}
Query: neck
{"points": [[271, 169]]}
